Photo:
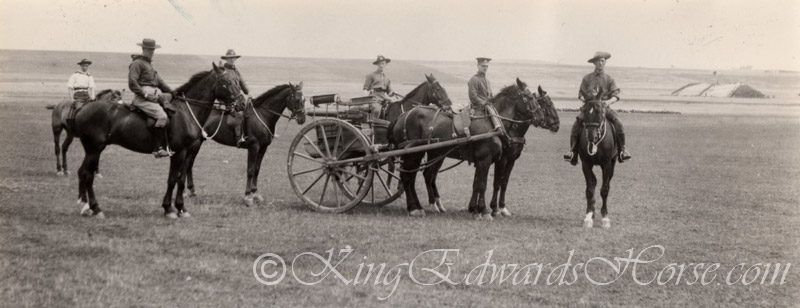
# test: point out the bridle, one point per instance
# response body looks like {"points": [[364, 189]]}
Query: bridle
{"points": [[592, 150], [291, 98], [430, 93], [208, 105]]}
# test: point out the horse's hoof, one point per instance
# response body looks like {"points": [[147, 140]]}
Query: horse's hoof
{"points": [[258, 198], [588, 223], [60, 173], [505, 212], [487, 217], [171, 215], [184, 214], [66, 172], [417, 213], [434, 208], [98, 176], [100, 215], [606, 223], [86, 210], [248, 201], [476, 216], [440, 206]]}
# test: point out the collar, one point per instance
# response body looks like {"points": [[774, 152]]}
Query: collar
{"points": [[378, 71], [228, 65], [482, 74], [146, 58], [598, 72], [83, 73]]}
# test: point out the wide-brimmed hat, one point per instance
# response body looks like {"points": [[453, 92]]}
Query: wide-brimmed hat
{"points": [[230, 54], [149, 43], [598, 55], [483, 61], [84, 61], [381, 58]]}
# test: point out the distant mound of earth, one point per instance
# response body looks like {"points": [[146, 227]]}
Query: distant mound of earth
{"points": [[718, 90]]}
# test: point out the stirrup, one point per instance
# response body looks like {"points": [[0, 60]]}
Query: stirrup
{"points": [[624, 156], [569, 156], [242, 142], [161, 152]]}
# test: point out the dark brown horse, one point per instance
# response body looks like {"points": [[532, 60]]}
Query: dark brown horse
{"points": [[427, 93], [261, 117], [427, 125], [545, 117], [597, 147], [59, 124], [101, 124]]}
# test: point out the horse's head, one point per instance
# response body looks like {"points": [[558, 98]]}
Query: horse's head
{"points": [[109, 95], [296, 103], [436, 94], [226, 87], [527, 107], [550, 118], [594, 116]]}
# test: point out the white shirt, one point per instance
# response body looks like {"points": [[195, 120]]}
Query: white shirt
{"points": [[80, 80]]}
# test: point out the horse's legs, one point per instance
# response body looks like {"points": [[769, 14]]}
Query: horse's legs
{"points": [[86, 178], [408, 179], [175, 169], [181, 181], [64, 148], [430, 174], [504, 185], [591, 183], [499, 171], [478, 201], [259, 160], [190, 157], [252, 153], [608, 173], [57, 140]]}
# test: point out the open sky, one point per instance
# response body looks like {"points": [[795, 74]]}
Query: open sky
{"points": [[709, 34]]}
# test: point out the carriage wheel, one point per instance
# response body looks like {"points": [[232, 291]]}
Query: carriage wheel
{"points": [[322, 186], [385, 187]]}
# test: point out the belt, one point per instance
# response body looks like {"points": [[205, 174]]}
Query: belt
{"points": [[81, 90], [379, 90]]}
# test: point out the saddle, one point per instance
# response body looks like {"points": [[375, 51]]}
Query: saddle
{"points": [[461, 122], [73, 111], [164, 100]]}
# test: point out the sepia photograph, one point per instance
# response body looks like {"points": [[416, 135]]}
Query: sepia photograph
{"points": [[399, 153]]}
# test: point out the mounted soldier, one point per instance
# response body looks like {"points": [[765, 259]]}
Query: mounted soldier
{"points": [[147, 85], [480, 91], [377, 84], [592, 84], [237, 112], [81, 89]]}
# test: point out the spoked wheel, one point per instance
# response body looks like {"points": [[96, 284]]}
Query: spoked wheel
{"points": [[385, 187], [313, 171]]}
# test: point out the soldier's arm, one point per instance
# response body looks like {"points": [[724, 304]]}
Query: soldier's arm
{"points": [[71, 86], [133, 79], [473, 92], [368, 83], [389, 87], [162, 85], [91, 88], [614, 94], [242, 84]]}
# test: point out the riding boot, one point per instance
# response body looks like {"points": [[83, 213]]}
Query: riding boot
{"points": [[162, 149], [572, 156], [623, 154], [241, 139]]}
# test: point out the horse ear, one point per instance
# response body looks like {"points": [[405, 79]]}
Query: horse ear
{"points": [[291, 85], [430, 78], [300, 85], [216, 68], [541, 92], [520, 84]]}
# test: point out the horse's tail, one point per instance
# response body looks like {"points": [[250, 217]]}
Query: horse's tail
{"points": [[50, 106], [390, 132]]}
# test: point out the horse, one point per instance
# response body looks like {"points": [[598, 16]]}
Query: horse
{"points": [[59, 124], [427, 93], [597, 147], [101, 124], [545, 117], [261, 116], [426, 125]]}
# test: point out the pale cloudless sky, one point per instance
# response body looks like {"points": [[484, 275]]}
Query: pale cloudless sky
{"points": [[687, 34]]}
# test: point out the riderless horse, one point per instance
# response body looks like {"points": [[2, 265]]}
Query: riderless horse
{"points": [[261, 117], [59, 124], [101, 124]]}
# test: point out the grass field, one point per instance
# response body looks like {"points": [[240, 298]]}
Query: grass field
{"points": [[708, 189]]}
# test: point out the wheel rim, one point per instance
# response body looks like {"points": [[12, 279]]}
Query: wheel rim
{"points": [[320, 184]]}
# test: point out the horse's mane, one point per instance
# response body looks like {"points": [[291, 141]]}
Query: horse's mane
{"points": [[104, 92], [414, 92], [272, 92], [192, 81], [511, 92]]}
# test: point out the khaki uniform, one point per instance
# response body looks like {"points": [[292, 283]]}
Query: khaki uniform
{"points": [[143, 80]]}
